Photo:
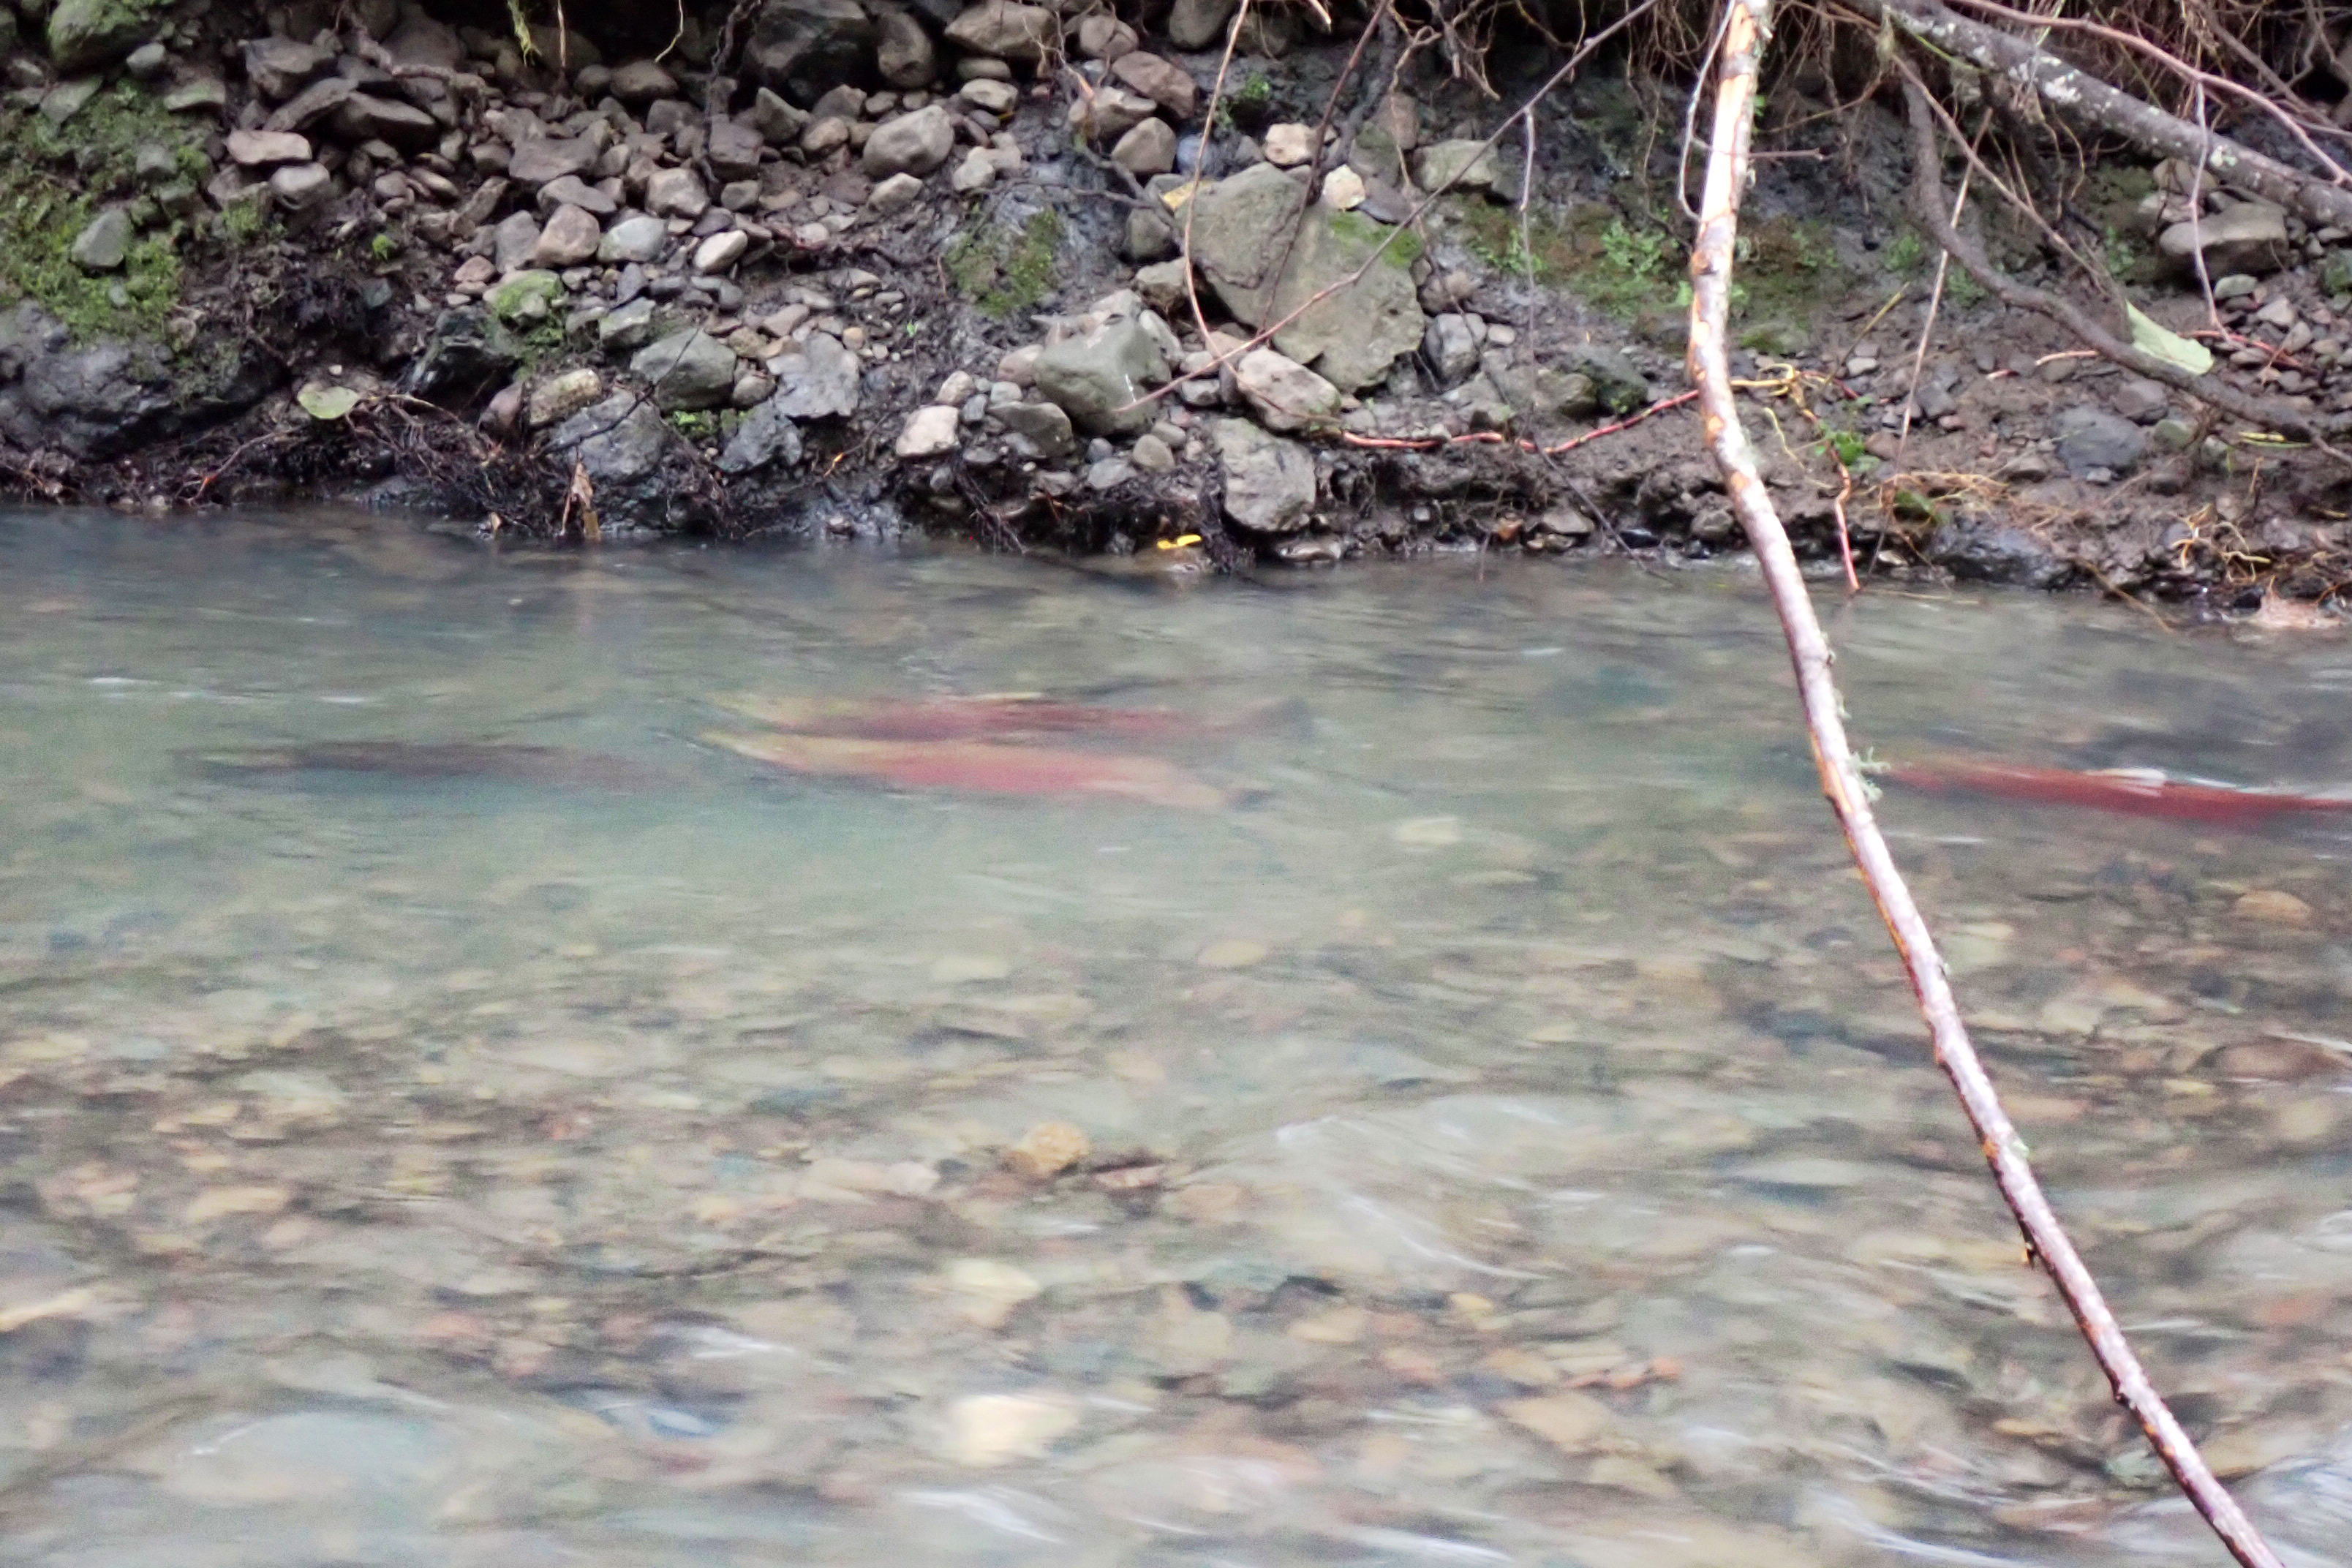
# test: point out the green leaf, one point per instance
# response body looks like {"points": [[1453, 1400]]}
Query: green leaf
{"points": [[327, 402], [2169, 346]]}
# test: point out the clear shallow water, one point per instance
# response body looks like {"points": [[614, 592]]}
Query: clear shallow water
{"points": [[1509, 1138]]}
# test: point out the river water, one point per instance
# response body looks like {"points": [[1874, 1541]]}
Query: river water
{"points": [[1506, 1136]]}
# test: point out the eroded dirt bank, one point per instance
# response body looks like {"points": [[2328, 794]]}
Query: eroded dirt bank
{"points": [[858, 267]]}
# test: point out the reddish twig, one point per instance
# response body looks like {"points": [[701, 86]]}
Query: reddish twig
{"points": [[1424, 443], [241, 447], [1848, 795], [2275, 358], [1660, 406], [1491, 437]]}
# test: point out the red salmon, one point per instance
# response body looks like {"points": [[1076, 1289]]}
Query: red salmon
{"points": [[965, 718], [2135, 792], [976, 766]]}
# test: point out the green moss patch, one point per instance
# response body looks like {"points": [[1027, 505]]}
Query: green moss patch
{"points": [[60, 177], [1618, 265], [1362, 234], [1787, 274], [1004, 271], [1633, 269]]}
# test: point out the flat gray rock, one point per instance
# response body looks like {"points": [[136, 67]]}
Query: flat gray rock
{"points": [[639, 239], [766, 437], [913, 143], [686, 370], [1350, 337], [2091, 438], [1269, 482], [618, 440], [815, 380], [1098, 378], [541, 159], [105, 243]]}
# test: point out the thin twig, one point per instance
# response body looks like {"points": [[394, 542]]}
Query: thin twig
{"points": [[1660, 406], [1497, 439], [1200, 170], [1927, 327], [1842, 781]]}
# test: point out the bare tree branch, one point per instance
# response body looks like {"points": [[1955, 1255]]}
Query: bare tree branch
{"points": [[1927, 209], [2078, 95], [1848, 795]]}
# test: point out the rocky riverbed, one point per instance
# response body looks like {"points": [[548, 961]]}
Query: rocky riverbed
{"points": [[1499, 1135], [852, 269]]}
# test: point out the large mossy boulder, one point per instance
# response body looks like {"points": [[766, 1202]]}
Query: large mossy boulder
{"points": [[86, 34], [1354, 326]]}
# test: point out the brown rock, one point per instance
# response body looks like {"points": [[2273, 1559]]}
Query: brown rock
{"points": [[1147, 149], [1006, 30], [1162, 81], [570, 239], [538, 160], [1569, 1421], [2273, 906], [2276, 1061], [266, 148], [1048, 1150], [363, 117], [734, 149]]}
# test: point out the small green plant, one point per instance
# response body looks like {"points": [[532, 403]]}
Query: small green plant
{"points": [[694, 425], [1247, 104], [1636, 253], [1912, 507], [242, 223], [1847, 449], [1906, 251], [1004, 271], [383, 248]]}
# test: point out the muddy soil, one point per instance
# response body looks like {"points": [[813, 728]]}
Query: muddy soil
{"points": [[889, 271]]}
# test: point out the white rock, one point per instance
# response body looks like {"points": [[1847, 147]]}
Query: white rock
{"points": [[987, 1291], [997, 98], [570, 237], [1287, 146], [1343, 189], [1147, 149], [266, 148], [975, 174], [677, 193], [1286, 394], [928, 433], [721, 251], [986, 1429], [894, 194]]}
